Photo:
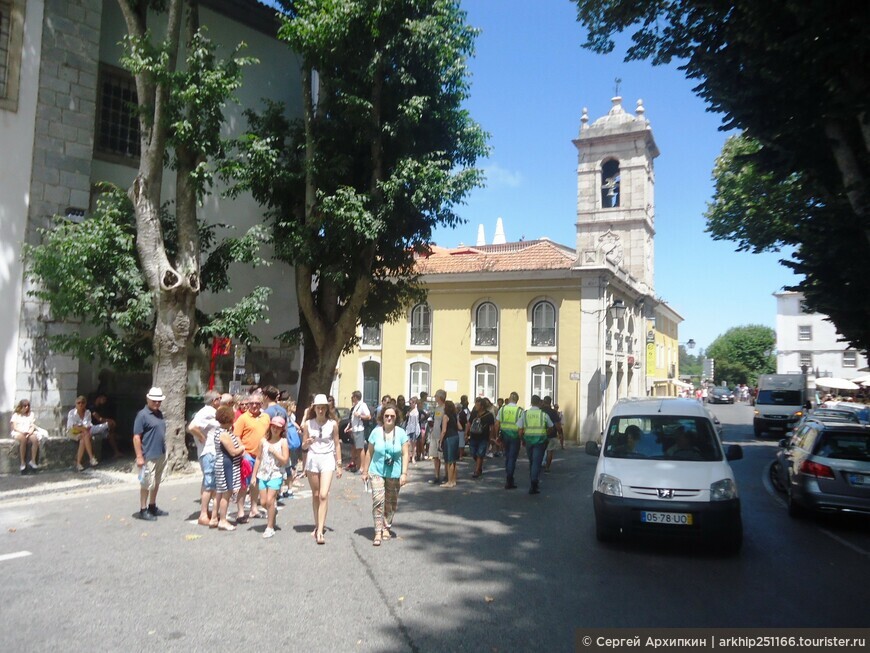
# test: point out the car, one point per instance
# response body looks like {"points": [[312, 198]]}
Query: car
{"points": [[343, 420], [861, 411], [826, 468], [662, 470], [720, 396]]}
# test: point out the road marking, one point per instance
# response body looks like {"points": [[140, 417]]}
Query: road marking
{"points": [[13, 556], [837, 538]]}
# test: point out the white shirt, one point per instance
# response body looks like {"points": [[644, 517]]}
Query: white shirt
{"points": [[324, 441], [356, 416], [207, 422]]}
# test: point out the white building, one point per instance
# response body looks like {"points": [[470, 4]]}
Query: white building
{"points": [[810, 341], [65, 125]]}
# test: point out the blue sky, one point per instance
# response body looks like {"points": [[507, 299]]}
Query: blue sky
{"points": [[530, 82]]}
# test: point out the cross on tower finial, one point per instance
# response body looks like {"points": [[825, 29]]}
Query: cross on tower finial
{"points": [[618, 81]]}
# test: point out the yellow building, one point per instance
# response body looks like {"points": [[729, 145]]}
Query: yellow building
{"points": [[580, 324]]}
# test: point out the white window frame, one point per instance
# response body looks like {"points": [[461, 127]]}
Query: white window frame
{"points": [[543, 363], [805, 355], [850, 358], [533, 306], [409, 380], [411, 345], [805, 333], [486, 360], [475, 312]]}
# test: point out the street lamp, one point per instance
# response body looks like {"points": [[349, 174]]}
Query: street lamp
{"points": [[617, 309], [690, 344]]}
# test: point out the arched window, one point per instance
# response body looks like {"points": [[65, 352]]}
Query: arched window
{"points": [[610, 184], [486, 325], [544, 381], [371, 336], [419, 379], [421, 325], [543, 325], [484, 381]]}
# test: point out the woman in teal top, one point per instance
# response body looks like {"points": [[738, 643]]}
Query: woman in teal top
{"points": [[386, 463]]}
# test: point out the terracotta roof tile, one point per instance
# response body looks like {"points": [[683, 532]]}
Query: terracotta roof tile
{"points": [[509, 257]]}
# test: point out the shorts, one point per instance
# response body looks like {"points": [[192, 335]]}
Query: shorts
{"points": [[271, 484], [98, 430], [413, 437], [247, 470], [206, 464], [434, 443], [478, 448], [451, 448], [552, 444], [151, 473], [359, 439], [320, 462]]}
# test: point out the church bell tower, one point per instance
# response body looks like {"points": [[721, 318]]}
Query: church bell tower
{"points": [[615, 198]]}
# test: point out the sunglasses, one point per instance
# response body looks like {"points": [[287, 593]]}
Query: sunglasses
{"points": [[389, 417]]}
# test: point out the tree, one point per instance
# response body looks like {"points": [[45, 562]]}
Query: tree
{"points": [[383, 153], [690, 365], [792, 75], [742, 353], [133, 270], [761, 211]]}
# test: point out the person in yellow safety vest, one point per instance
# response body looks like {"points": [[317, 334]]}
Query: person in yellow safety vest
{"points": [[509, 436], [533, 426]]}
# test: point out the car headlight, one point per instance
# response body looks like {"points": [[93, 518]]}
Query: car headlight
{"points": [[609, 485], [722, 490]]}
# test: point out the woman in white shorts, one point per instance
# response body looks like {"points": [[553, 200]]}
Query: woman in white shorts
{"points": [[320, 440]]}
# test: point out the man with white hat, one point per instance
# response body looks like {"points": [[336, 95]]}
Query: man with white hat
{"points": [[149, 442]]}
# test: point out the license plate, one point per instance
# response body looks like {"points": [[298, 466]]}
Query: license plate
{"points": [[670, 518], [859, 479]]}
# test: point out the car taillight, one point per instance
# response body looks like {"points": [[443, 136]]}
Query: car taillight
{"points": [[817, 470]]}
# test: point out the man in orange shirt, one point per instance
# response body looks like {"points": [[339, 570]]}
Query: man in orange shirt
{"points": [[251, 427]]}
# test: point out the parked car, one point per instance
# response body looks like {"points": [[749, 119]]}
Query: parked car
{"points": [[662, 470], [720, 396], [861, 411], [826, 468]]}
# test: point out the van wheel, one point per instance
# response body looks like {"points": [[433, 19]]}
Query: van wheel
{"points": [[605, 533]]}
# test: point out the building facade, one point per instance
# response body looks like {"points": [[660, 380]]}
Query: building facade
{"points": [[809, 341], [65, 126], [581, 324]]}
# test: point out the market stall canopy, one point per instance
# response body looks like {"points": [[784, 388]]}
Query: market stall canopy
{"points": [[864, 379], [835, 383]]}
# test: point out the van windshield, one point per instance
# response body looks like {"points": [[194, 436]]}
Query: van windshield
{"points": [[780, 397], [662, 437]]}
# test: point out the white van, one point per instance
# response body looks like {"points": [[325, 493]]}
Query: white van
{"points": [[662, 470], [779, 403]]}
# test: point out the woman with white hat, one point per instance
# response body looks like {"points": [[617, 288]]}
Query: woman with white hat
{"points": [[320, 440]]}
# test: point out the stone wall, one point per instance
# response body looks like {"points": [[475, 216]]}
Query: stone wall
{"points": [[63, 147]]}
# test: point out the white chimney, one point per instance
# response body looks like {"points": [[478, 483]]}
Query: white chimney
{"points": [[481, 239], [499, 238]]}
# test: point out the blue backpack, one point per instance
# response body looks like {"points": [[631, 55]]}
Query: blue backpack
{"points": [[293, 439]]}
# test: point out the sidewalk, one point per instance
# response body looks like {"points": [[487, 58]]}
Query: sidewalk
{"points": [[39, 483]]}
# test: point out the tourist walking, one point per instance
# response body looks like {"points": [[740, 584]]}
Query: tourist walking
{"points": [[386, 464], [269, 469], [450, 442], [508, 432], [356, 427], [534, 426], [412, 428], [320, 440]]}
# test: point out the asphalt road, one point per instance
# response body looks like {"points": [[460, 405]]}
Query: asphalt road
{"points": [[476, 568]]}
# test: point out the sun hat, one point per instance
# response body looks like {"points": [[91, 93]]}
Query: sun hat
{"points": [[278, 421], [320, 400], [155, 394]]}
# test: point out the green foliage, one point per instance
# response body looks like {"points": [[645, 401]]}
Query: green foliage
{"points": [[742, 353], [89, 272], [388, 154], [690, 365], [792, 75]]}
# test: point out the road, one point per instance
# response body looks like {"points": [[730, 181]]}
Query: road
{"points": [[476, 568]]}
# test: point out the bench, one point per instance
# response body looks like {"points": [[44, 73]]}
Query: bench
{"points": [[54, 453]]}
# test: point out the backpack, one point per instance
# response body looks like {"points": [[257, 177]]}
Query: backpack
{"points": [[476, 427]]}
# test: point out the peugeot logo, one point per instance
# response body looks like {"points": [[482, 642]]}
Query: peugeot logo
{"points": [[666, 494]]}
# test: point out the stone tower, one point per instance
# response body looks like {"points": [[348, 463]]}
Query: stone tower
{"points": [[615, 184]]}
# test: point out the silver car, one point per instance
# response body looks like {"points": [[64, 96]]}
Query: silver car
{"points": [[826, 468]]}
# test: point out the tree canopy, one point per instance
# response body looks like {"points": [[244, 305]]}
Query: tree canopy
{"points": [[742, 353], [383, 154], [792, 75]]}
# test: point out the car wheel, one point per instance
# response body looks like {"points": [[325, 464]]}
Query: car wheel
{"points": [[774, 475], [795, 509], [605, 533]]}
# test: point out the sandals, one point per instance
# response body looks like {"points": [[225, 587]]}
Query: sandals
{"points": [[377, 540], [228, 527], [319, 538], [386, 535]]}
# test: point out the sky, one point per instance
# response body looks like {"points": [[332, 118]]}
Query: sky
{"points": [[530, 81]]}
